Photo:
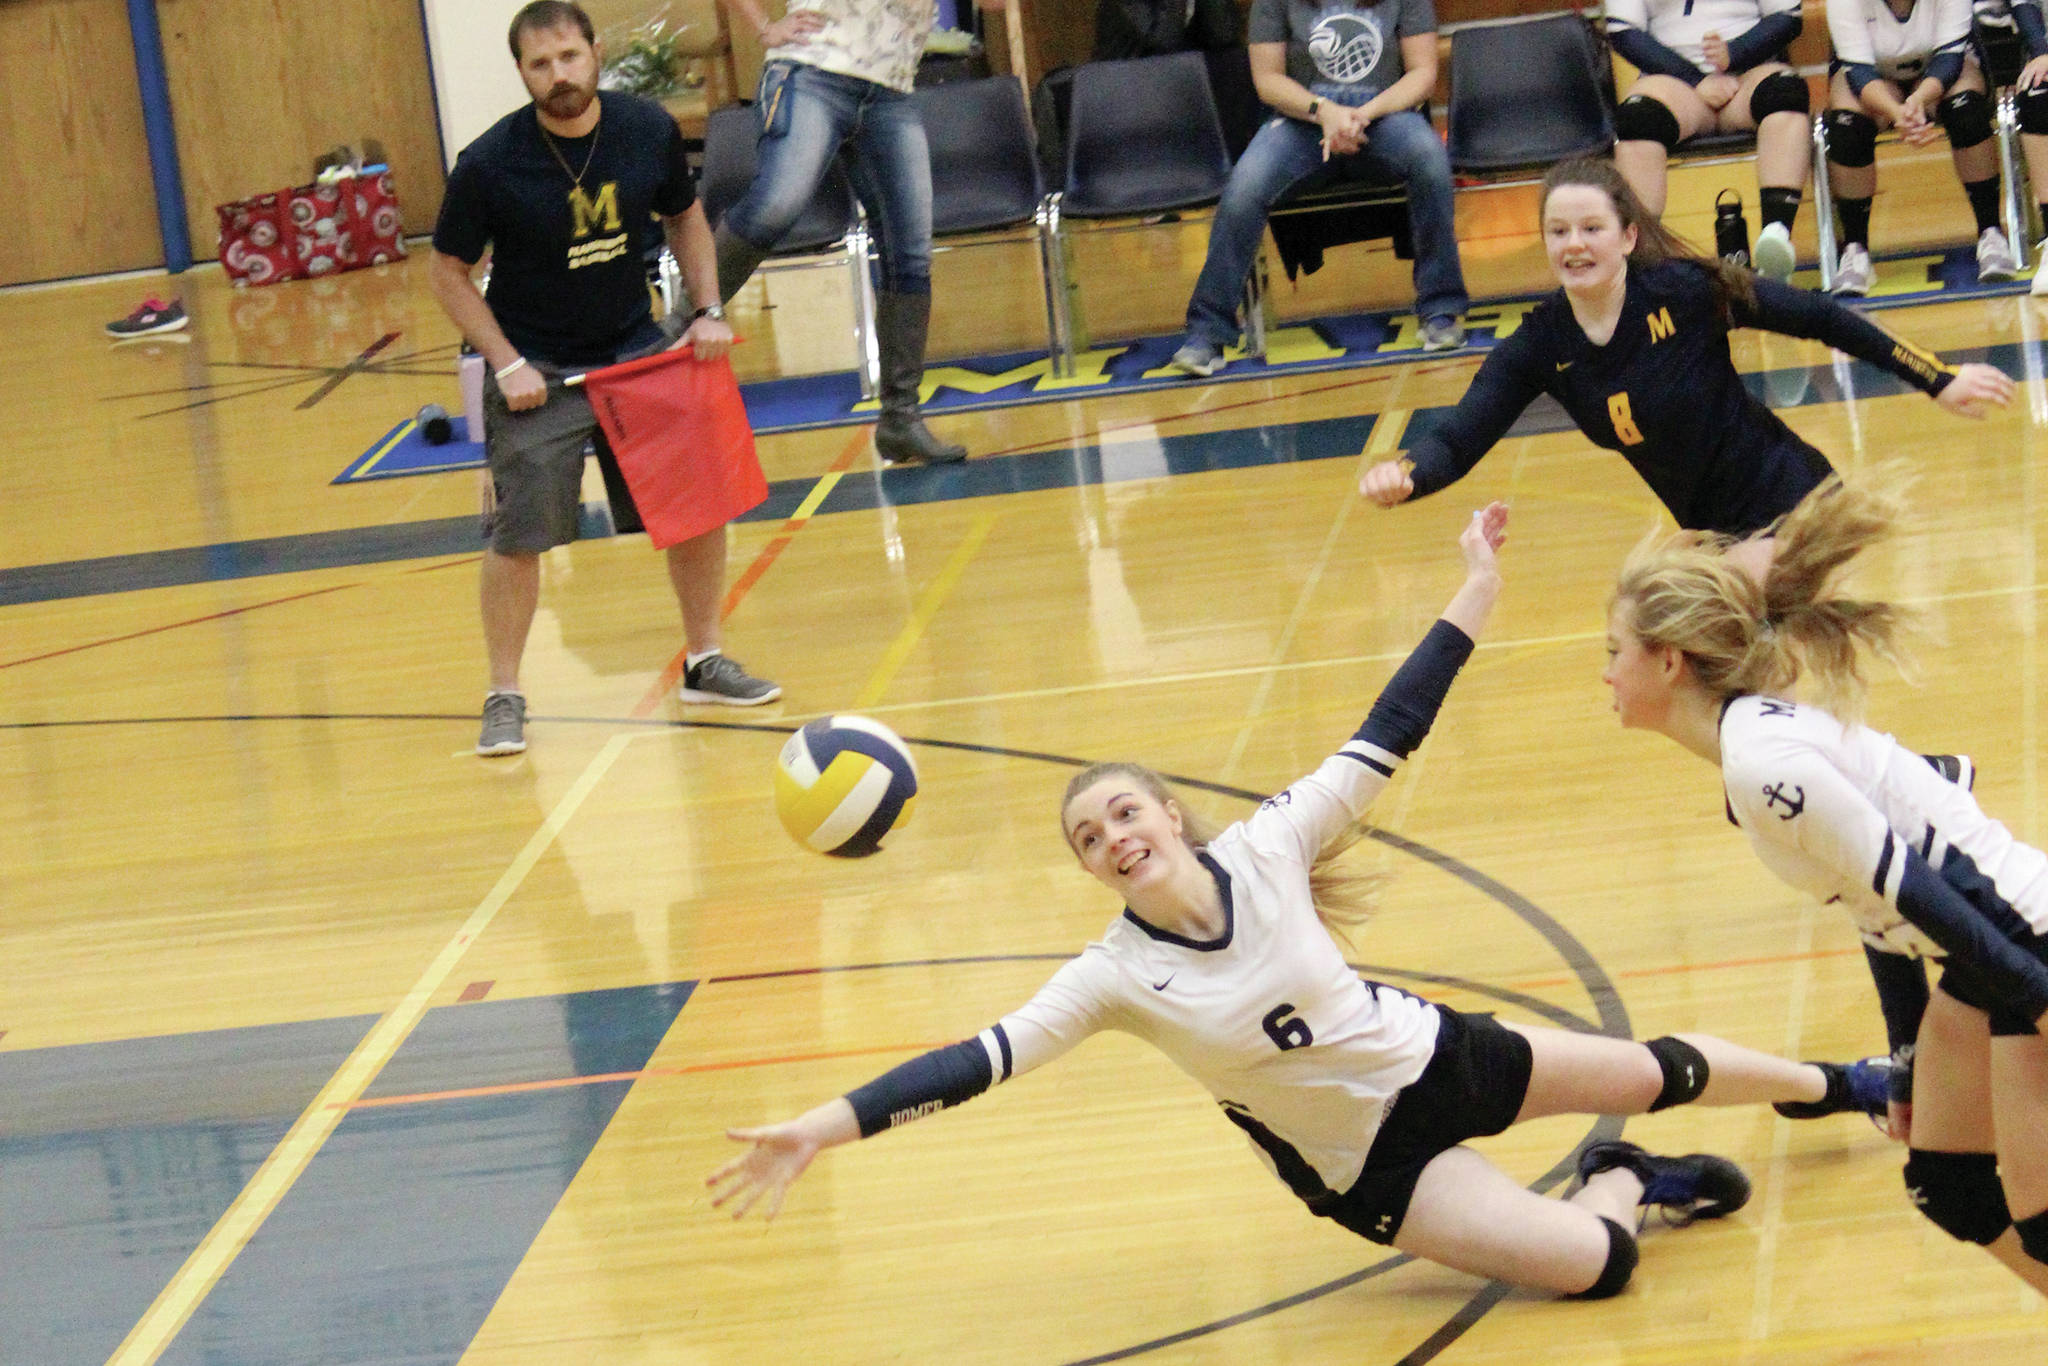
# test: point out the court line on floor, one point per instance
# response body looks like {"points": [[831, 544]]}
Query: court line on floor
{"points": [[175, 625], [178, 1300], [672, 673], [927, 607]]}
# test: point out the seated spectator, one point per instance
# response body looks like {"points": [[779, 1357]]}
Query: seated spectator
{"points": [[1715, 66], [1348, 84], [1153, 28], [1907, 65]]}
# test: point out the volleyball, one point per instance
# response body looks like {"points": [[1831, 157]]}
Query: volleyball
{"points": [[842, 783]]}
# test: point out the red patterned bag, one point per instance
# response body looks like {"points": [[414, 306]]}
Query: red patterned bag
{"points": [[312, 230], [255, 240]]}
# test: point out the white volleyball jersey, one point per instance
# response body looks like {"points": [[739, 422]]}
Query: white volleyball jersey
{"points": [[1267, 1016], [1827, 806], [875, 40], [1681, 24], [1867, 33]]}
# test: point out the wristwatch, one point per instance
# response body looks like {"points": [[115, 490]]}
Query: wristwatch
{"points": [[1315, 102], [715, 312]]}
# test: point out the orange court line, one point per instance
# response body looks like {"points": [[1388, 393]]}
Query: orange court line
{"points": [[514, 1088], [673, 674]]}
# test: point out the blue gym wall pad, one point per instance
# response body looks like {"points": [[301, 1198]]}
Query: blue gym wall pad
{"points": [[155, 85]]}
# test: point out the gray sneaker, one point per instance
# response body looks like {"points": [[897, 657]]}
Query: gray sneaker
{"points": [[504, 725], [1444, 332], [1198, 358], [721, 679]]}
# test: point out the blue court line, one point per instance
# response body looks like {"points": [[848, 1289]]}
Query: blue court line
{"points": [[1069, 467], [393, 1246]]}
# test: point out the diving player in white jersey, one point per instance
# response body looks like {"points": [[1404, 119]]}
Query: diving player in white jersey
{"points": [[1907, 64], [1223, 960], [1715, 66], [1706, 654]]}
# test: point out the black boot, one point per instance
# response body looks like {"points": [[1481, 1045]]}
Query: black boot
{"points": [[737, 258], [901, 321]]}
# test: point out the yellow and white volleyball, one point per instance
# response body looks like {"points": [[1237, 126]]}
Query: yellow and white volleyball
{"points": [[842, 783]]}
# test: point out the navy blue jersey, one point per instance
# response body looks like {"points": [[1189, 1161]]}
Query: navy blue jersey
{"points": [[1665, 394]]}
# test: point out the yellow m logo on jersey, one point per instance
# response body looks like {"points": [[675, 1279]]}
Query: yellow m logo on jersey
{"points": [[1661, 325], [600, 212]]}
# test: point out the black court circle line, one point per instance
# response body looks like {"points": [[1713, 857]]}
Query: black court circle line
{"points": [[1599, 987]]}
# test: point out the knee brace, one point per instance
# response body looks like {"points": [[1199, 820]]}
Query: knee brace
{"points": [[2034, 109], [1852, 137], [1642, 119], [1781, 92], [2033, 1231], [1966, 116], [1960, 1193], [1621, 1264], [1685, 1072]]}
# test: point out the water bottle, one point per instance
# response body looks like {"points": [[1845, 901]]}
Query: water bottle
{"points": [[1731, 229]]}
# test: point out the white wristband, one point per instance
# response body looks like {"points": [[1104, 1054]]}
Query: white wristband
{"points": [[509, 370]]}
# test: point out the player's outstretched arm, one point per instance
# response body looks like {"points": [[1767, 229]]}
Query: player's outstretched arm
{"points": [[777, 1154], [1481, 542], [1975, 388]]}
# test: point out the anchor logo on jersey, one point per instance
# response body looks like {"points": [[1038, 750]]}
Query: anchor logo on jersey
{"points": [[1794, 804]]}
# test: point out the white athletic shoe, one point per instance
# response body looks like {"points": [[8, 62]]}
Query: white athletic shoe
{"points": [[1853, 272], [1773, 255], [1995, 260]]}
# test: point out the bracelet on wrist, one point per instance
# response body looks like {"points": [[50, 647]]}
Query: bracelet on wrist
{"points": [[509, 370]]}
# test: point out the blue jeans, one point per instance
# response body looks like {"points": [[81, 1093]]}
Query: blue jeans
{"points": [[809, 117], [1287, 155]]}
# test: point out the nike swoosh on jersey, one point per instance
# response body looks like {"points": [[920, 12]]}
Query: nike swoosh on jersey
{"points": [[1564, 365], [1161, 986]]}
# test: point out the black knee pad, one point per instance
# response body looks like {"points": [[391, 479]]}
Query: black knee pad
{"points": [[1966, 116], [1642, 119], [2033, 1231], [1685, 1072], [1960, 1193], [2034, 109], [1852, 137], [1781, 92], [1621, 1264]]}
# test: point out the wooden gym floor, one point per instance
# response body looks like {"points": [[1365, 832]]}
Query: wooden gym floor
{"points": [[322, 1040]]}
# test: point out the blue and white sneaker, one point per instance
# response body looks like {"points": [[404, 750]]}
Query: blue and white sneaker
{"points": [[1198, 358], [1696, 1186]]}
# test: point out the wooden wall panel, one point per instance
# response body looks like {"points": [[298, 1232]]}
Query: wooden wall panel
{"points": [[259, 88], [71, 136]]}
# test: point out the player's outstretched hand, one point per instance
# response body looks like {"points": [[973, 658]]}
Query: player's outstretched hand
{"points": [[1388, 483], [776, 1157], [1482, 539], [1974, 389]]}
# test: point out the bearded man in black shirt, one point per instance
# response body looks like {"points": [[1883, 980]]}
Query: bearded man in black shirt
{"points": [[563, 192]]}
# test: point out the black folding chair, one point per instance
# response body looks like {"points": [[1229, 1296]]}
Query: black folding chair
{"points": [[1526, 93], [985, 175], [1142, 138], [829, 232]]}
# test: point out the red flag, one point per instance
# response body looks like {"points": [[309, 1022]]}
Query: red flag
{"points": [[679, 430]]}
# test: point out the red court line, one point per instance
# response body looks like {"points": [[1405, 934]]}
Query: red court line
{"points": [[513, 1088], [445, 564], [1674, 968], [673, 674], [174, 625], [1381, 374], [555, 1084]]}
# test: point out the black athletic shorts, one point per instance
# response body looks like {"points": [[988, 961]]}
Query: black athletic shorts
{"points": [[1972, 990], [1474, 1086]]}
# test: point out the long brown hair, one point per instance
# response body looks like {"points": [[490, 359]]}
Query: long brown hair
{"points": [[1745, 636], [1655, 243], [1344, 897]]}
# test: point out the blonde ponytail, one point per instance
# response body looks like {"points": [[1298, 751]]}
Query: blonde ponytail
{"points": [[1742, 636]]}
